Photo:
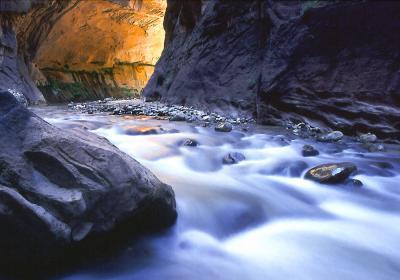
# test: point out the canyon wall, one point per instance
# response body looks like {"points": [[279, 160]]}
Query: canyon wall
{"points": [[329, 63], [14, 74], [82, 50]]}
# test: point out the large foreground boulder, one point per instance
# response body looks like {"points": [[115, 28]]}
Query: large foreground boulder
{"points": [[59, 189]]}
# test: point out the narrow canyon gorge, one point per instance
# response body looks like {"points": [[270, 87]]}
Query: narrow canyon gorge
{"points": [[84, 50], [199, 139]]}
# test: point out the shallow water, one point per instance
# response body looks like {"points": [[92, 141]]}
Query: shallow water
{"points": [[258, 219]]}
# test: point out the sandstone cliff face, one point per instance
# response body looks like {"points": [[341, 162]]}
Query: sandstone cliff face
{"points": [[330, 63], [80, 49]]}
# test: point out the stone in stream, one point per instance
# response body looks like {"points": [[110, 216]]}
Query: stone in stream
{"points": [[117, 111], [141, 130], [354, 183], [233, 158], [333, 136], [373, 148], [223, 127], [331, 173], [189, 143], [178, 118], [59, 187], [383, 164], [309, 151], [368, 138]]}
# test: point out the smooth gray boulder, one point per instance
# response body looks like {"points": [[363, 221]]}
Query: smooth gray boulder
{"points": [[60, 188]]}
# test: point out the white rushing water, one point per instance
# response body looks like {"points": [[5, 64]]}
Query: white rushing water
{"points": [[258, 219]]}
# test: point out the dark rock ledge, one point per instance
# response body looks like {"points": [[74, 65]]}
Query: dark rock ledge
{"points": [[67, 192]]}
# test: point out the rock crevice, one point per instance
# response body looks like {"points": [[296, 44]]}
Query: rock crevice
{"points": [[330, 63]]}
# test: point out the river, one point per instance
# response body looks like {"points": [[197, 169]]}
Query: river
{"points": [[258, 219]]}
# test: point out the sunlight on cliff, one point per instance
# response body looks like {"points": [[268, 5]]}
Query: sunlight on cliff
{"points": [[99, 48]]}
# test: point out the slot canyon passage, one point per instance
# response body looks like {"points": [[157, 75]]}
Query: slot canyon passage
{"points": [[199, 139]]}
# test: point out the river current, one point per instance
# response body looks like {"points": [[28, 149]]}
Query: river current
{"points": [[258, 219]]}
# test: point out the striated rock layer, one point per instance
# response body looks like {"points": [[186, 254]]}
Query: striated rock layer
{"points": [[81, 49], [327, 62]]}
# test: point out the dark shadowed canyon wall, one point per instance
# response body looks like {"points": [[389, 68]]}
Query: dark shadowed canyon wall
{"points": [[14, 75], [326, 62]]}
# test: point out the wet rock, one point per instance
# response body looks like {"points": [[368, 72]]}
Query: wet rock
{"points": [[189, 143], [333, 136], [331, 173], [173, 130], [368, 138], [233, 158], [223, 127], [19, 96], [383, 164], [354, 183], [141, 130], [178, 118], [309, 151], [60, 187], [304, 75], [206, 118], [117, 112], [371, 147]]}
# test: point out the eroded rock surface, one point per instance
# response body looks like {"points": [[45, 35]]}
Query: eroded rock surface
{"points": [[81, 49], [333, 63], [58, 188]]}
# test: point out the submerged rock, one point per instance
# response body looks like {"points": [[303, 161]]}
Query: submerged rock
{"points": [[285, 168], [382, 164], [178, 118], [223, 127], [309, 151], [368, 138], [189, 143], [354, 183], [61, 187], [371, 147], [331, 173], [141, 130], [233, 158], [333, 136]]}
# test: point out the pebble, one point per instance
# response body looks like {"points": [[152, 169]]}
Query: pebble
{"points": [[233, 158], [156, 109], [309, 151], [189, 143], [354, 182], [333, 136], [223, 127], [368, 138]]}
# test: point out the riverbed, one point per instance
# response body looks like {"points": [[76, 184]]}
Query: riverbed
{"points": [[259, 218]]}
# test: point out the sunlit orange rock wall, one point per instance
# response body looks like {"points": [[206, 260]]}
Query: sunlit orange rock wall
{"points": [[98, 48]]}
